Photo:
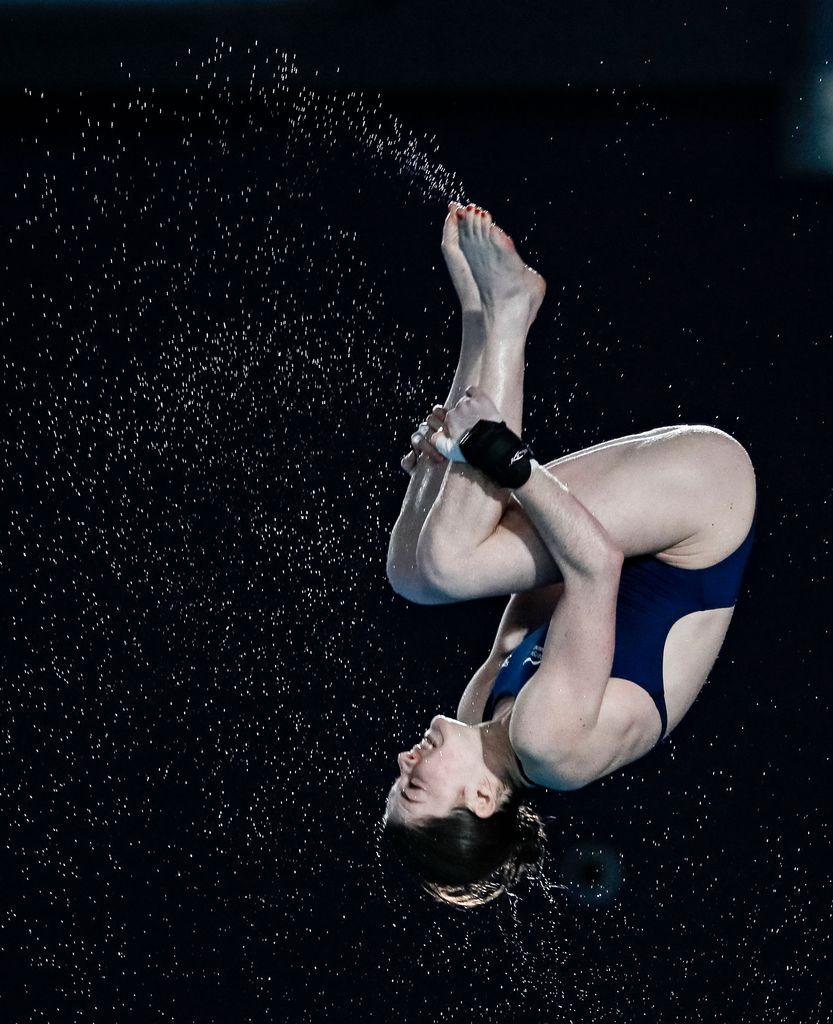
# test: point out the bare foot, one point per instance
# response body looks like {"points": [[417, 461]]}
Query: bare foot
{"points": [[506, 285], [458, 268]]}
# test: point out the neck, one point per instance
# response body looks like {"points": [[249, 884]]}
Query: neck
{"points": [[498, 752]]}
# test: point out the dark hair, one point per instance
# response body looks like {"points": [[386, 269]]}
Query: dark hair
{"points": [[467, 861]]}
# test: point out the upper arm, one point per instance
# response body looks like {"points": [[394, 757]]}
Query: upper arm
{"points": [[561, 704], [472, 703], [627, 727]]}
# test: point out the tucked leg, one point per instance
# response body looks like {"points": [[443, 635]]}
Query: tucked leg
{"points": [[685, 493], [492, 355]]}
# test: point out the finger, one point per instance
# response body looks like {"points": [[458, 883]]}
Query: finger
{"points": [[421, 444], [436, 422], [431, 452], [439, 410], [408, 462], [426, 430]]}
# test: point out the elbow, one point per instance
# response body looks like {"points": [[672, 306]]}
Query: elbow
{"points": [[614, 556], [607, 558], [560, 773]]}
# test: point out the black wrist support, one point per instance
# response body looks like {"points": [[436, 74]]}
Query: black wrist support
{"points": [[494, 450]]}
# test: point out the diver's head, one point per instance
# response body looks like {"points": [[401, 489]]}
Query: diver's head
{"points": [[454, 813], [446, 770]]}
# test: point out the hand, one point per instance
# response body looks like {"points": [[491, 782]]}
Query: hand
{"points": [[474, 406], [420, 443]]}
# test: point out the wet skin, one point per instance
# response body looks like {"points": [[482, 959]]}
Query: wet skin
{"points": [[444, 771]]}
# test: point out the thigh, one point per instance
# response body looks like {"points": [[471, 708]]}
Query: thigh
{"points": [[683, 493]]}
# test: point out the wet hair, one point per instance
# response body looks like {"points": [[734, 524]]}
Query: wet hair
{"points": [[467, 861]]}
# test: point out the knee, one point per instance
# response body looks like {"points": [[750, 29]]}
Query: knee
{"points": [[415, 586], [440, 571]]}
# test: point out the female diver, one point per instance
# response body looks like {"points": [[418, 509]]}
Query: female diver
{"points": [[623, 562]]}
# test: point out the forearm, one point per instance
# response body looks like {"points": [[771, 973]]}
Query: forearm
{"points": [[577, 541]]}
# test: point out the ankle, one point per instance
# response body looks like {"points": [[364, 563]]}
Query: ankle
{"points": [[514, 315]]}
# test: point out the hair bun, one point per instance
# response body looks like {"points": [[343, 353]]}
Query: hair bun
{"points": [[529, 851], [466, 861]]}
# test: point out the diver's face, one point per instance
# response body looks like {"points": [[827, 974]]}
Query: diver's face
{"points": [[445, 770]]}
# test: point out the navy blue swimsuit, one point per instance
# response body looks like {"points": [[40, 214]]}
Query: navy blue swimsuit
{"points": [[652, 597]]}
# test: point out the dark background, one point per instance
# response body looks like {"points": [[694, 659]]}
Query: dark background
{"points": [[224, 310]]}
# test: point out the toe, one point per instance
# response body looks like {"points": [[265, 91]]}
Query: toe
{"points": [[450, 229], [500, 238], [467, 223]]}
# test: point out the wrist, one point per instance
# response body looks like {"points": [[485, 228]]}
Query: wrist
{"points": [[533, 465], [498, 453]]}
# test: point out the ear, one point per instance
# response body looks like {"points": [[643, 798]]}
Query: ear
{"points": [[485, 799]]}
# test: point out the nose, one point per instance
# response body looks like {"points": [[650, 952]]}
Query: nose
{"points": [[407, 759]]}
